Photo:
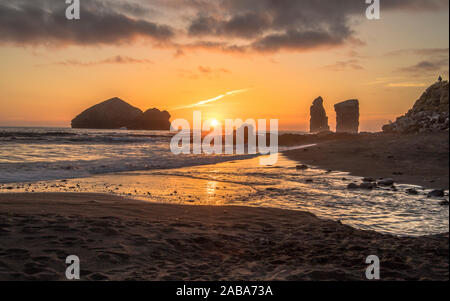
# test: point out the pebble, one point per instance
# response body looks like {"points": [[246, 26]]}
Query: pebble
{"points": [[412, 191], [302, 167], [368, 179], [352, 186], [436, 193], [386, 182], [366, 185]]}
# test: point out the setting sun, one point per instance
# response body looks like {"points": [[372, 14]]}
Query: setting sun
{"points": [[214, 122]]}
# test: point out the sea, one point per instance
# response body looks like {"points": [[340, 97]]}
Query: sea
{"points": [[140, 165]]}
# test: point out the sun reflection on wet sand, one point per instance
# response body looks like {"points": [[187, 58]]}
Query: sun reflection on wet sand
{"points": [[247, 183], [211, 188]]}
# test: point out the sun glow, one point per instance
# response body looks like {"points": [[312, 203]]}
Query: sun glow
{"points": [[214, 122]]}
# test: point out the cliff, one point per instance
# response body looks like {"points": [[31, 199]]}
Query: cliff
{"points": [[429, 114]]}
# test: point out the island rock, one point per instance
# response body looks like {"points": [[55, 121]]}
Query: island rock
{"points": [[152, 119], [113, 113]]}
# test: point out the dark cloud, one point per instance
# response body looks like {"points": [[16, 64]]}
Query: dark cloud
{"points": [[300, 40], [243, 25], [211, 46], [225, 25], [134, 9], [420, 52], [431, 61], [273, 25], [44, 22], [203, 25], [209, 70], [343, 65], [119, 59], [204, 72], [426, 68], [423, 66]]}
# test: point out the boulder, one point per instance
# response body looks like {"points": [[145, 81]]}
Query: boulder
{"points": [[364, 185], [439, 193], [347, 116], [319, 119], [386, 182], [412, 191], [152, 119], [368, 179], [113, 113], [367, 185], [352, 186], [430, 113], [302, 167]]}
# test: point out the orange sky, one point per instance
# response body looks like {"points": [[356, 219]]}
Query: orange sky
{"points": [[386, 64]]}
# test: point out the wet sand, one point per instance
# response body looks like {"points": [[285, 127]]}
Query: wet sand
{"points": [[122, 239], [420, 159]]}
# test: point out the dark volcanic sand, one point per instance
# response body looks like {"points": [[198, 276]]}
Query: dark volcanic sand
{"points": [[420, 159], [120, 239]]}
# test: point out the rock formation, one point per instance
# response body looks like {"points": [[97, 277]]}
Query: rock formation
{"points": [[113, 113], [347, 116], [319, 119], [152, 119], [116, 113], [430, 113]]}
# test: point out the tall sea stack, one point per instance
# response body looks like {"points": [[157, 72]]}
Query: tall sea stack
{"points": [[347, 116], [319, 119]]}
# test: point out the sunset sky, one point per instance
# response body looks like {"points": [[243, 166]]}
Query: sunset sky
{"points": [[278, 55]]}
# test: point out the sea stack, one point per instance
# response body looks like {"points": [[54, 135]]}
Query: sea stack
{"points": [[319, 119], [113, 113], [347, 116]]}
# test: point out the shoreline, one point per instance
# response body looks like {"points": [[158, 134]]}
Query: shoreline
{"points": [[124, 239], [347, 153], [420, 159], [390, 210]]}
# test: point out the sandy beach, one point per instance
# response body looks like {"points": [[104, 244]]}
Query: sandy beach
{"points": [[420, 159], [123, 239]]}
